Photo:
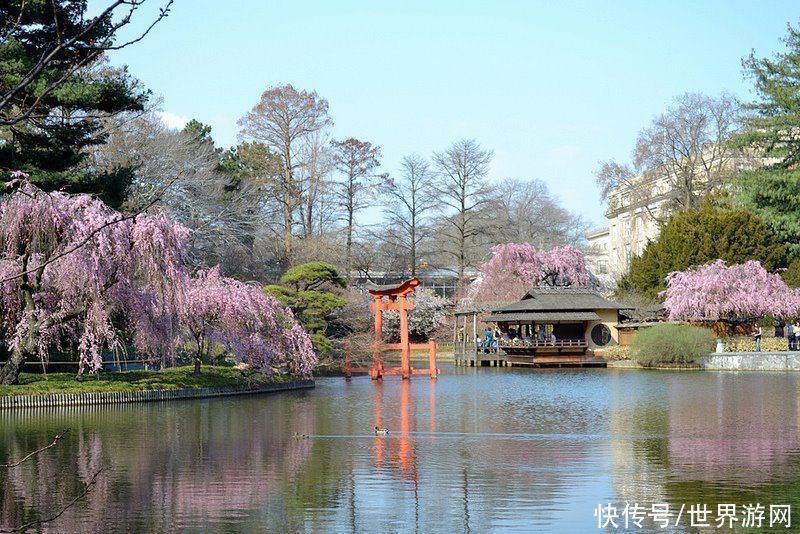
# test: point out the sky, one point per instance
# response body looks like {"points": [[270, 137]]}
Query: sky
{"points": [[553, 88]]}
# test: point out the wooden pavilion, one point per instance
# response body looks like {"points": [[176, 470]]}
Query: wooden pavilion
{"points": [[548, 327]]}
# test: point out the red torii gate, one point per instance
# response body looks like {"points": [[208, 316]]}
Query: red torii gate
{"points": [[397, 296]]}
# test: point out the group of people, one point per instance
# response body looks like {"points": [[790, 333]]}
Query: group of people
{"points": [[793, 335], [492, 338]]}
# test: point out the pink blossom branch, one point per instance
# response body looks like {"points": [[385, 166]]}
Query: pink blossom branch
{"points": [[91, 234]]}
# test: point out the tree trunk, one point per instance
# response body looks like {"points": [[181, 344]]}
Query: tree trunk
{"points": [[309, 215], [197, 366], [9, 374], [413, 249], [462, 234], [288, 205], [288, 222], [349, 245]]}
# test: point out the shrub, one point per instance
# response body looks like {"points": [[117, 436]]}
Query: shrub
{"points": [[311, 290], [671, 344], [615, 353], [748, 344]]}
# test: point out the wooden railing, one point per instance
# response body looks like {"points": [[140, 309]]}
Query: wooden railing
{"points": [[537, 344]]}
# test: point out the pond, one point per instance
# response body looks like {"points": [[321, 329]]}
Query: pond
{"points": [[476, 450]]}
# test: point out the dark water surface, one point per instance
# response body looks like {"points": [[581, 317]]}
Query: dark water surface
{"points": [[477, 450]]}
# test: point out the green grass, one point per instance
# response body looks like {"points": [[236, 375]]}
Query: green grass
{"points": [[175, 378]]}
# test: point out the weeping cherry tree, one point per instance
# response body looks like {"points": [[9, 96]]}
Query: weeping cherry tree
{"points": [[736, 293], [77, 276], [516, 268]]}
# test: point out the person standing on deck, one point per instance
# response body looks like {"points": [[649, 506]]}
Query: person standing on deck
{"points": [[757, 334]]}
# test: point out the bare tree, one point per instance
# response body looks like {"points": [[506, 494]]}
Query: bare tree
{"points": [[222, 220], [681, 157], [378, 255], [526, 212], [283, 119], [317, 164], [410, 199], [460, 175], [356, 161]]}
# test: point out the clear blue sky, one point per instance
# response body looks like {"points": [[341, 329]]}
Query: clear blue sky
{"points": [[551, 87]]}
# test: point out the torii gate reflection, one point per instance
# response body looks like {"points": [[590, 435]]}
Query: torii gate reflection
{"points": [[398, 447]]}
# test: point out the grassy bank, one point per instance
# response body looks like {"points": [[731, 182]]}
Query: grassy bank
{"points": [[168, 379]]}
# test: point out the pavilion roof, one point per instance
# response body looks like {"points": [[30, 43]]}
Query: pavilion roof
{"points": [[543, 317], [560, 299]]}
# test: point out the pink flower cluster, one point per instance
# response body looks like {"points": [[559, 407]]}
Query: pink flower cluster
{"points": [[77, 275], [716, 292], [249, 324], [516, 268]]}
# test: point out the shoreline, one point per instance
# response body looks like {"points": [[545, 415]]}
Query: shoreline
{"points": [[144, 395], [783, 361]]}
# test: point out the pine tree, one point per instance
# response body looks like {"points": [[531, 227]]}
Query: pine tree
{"points": [[773, 130], [48, 122]]}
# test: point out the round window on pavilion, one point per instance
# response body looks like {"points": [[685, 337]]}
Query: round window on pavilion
{"points": [[601, 335]]}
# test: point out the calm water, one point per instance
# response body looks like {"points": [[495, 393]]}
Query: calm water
{"points": [[476, 450]]}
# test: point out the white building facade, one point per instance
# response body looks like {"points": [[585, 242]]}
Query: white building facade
{"points": [[636, 211]]}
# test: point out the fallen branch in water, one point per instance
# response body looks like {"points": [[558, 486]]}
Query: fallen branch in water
{"points": [[37, 451], [31, 524]]}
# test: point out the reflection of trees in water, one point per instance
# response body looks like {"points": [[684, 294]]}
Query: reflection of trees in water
{"points": [[67, 486], [639, 453], [709, 437], [735, 428], [735, 439], [165, 462], [461, 455]]}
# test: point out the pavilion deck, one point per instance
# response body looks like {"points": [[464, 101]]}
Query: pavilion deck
{"points": [[467, 354], [559, 353]]}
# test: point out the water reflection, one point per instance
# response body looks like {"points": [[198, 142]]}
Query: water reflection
{"points": [[474, 451], [750, 428]]}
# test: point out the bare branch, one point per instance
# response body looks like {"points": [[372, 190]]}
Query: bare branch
{"points": [[37, 451], [31, 524]]}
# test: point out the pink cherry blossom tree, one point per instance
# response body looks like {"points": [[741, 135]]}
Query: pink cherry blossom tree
{"points": [[73, 272], [75, 275], [516, 268], [717, 292], [246, 323]]}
